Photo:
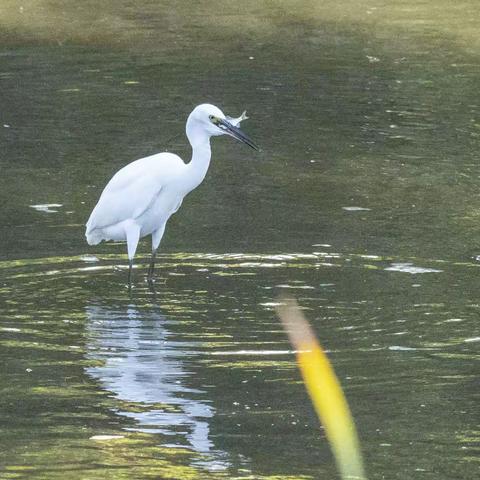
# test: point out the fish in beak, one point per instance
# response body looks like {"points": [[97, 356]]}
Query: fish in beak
{"points": [[236, 121], [230, 127]]}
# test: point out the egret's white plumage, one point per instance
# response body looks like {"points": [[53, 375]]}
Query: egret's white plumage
{"points": [[141, 197]]}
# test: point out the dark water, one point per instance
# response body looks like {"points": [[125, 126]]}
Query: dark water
{"points": [[363, 204]]}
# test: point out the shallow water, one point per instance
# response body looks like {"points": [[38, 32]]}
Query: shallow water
{"points": [[362, 204]]}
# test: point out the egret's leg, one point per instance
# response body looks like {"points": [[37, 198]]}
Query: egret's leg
{"points": [[130, 267], [132, 231], [151, 267], [156, 238]]}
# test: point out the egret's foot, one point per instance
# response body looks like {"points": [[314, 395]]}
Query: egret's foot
{"points": [[151, 286], [150, 273], [151, 276], [153, 281]]}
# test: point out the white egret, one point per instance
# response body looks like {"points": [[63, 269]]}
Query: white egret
{"points": [[140, 198]]}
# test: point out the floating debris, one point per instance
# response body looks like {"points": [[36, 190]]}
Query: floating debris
{"points": [[89, 258], [473, 339], [399, 348], [46, 207], [304, 287], [355, 209], [102, 438], [253, 353], [410, 268]]}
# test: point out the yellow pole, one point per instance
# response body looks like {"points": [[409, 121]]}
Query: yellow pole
{"points": [[325, 391]]}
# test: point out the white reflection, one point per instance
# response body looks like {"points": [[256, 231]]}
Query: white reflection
{"points": [[410, 268], [47, 207], [141, 364]]}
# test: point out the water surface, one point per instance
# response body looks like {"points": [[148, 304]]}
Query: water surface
{"points": [[362, 204]]}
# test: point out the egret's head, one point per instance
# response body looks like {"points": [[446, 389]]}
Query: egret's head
{"points": [[211, 120]]}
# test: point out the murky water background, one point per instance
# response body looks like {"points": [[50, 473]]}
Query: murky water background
{"points": [[363, 204]]}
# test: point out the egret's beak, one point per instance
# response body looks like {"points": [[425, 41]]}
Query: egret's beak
{"points": [[235, 132]]}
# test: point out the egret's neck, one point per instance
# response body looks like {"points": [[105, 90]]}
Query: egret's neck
{"points": [[201, 154]]}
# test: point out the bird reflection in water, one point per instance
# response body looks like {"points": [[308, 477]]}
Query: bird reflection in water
{"points": [[142, 364]]}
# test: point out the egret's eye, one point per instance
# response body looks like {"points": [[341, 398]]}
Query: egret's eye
{"points": [[213, 119]]}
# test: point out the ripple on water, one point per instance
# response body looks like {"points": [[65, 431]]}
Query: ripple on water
{"points": [[166, 368]]}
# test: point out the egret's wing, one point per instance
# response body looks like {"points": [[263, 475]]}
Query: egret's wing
{"points": [[131, 201], [133, 189]]}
